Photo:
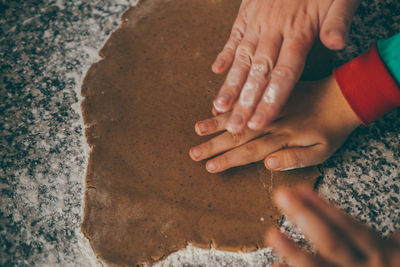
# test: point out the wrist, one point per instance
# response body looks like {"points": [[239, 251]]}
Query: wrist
{"points": [[344, 109], [341, 113]]}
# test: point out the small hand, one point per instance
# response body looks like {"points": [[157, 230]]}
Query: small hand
{"points": [[313, 125], [340, 240], [266, 52]]}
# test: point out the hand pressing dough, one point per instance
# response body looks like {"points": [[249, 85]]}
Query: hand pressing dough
{"points": [[145, 197]]}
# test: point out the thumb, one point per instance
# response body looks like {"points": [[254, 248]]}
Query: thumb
{"points": [[296, 157], [336, 25]]}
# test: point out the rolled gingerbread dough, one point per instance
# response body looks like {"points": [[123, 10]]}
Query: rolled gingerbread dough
{"points": [[145, 197]]}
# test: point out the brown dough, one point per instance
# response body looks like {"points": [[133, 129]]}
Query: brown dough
{"points": [[145, 197]]}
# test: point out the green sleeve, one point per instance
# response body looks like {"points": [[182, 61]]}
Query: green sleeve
{"points": [[389, 51]]}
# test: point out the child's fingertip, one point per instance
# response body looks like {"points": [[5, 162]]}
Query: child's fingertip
{"points": [[271, 237], [218, 65], [197, 129], [211, 166], [283, 198], [202, 127]]}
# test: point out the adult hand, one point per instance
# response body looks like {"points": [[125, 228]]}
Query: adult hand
{"points": [[314, 124], [266, 52], [340, 240]]}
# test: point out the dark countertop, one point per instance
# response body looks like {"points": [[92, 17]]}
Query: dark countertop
{"points": [[46, 48]]}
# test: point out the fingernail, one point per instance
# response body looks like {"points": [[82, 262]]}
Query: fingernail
{"points": [[221, 102], [338, 36], [256, 120], [335, 33], [211, 166], [219, 63], [196, 152], [283, 199], [202, 127], [273, 163]]}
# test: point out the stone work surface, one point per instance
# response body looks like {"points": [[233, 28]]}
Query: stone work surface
{"points": [[46, 48]]}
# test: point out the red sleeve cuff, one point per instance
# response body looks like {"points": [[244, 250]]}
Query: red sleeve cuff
{"points": [[368, 86]]}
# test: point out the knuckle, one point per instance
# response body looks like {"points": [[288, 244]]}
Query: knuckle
{"points": [[250, 149], [236, 138], [308, 30], [285, 72], [244, 49], [244, 54], [299, 44], [261, 66], [302, 25], [236, 35]]}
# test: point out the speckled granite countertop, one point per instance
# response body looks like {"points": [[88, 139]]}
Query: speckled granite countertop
{"points": [[45, 50]]}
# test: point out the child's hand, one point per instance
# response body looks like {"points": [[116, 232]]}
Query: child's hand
{"points": [[338, 238], [266, 52], [313, 125]]}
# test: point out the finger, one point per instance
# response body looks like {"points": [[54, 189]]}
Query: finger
{"points": [[297, 157], [361, 235], [215, 112], [253, 151], [212, 125], [336, 26], [221, 143], [286, 73], [225, 57], [264, 60], [331, 242], [396, 236], [236, 77], [291, 252]]}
